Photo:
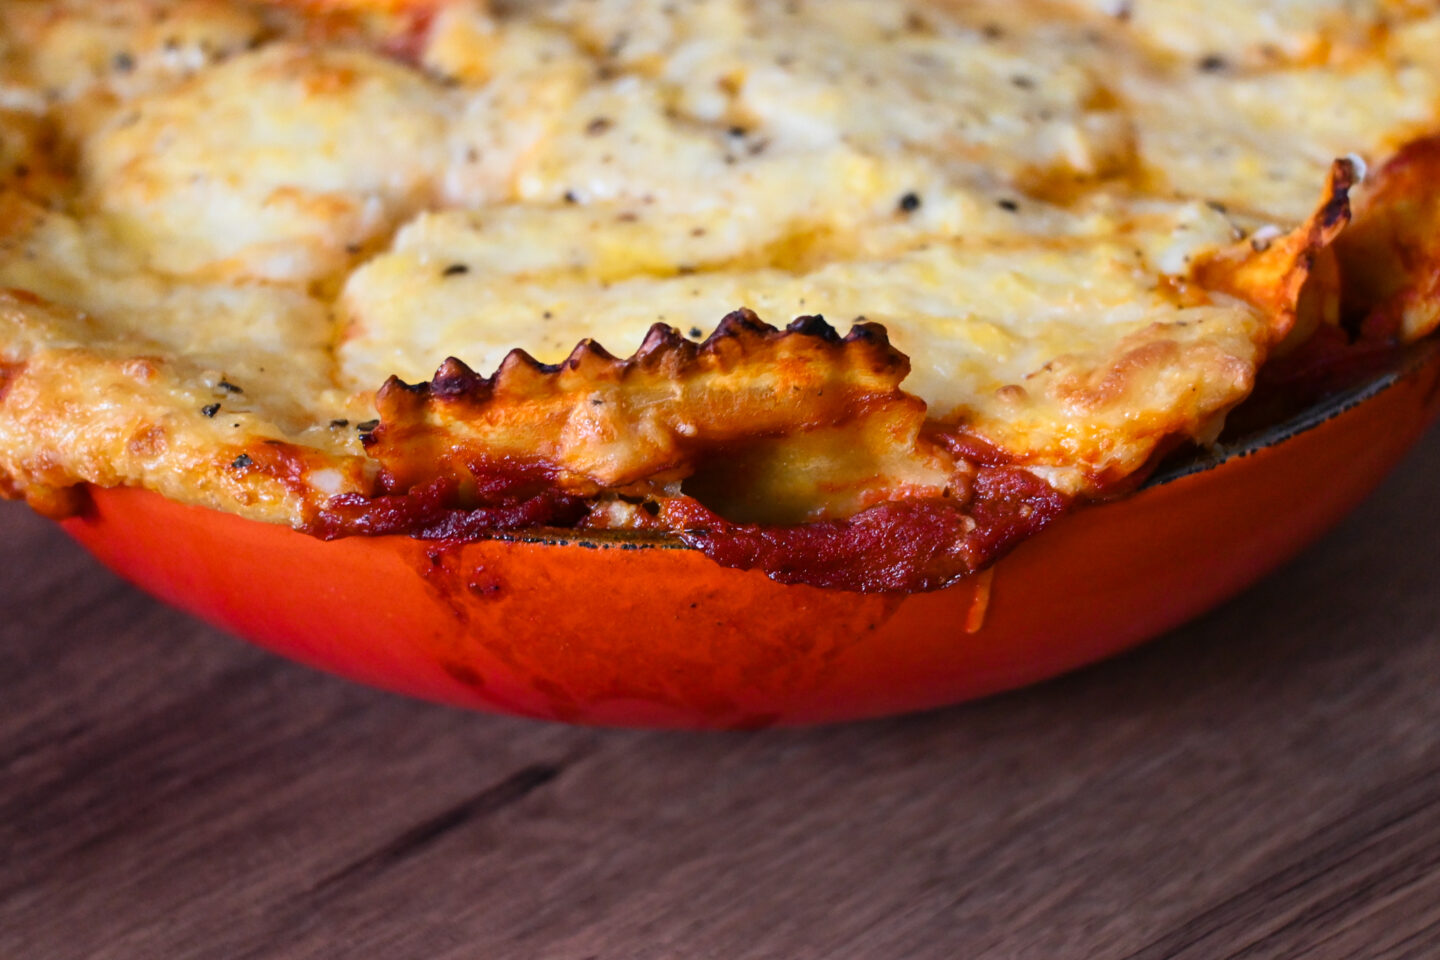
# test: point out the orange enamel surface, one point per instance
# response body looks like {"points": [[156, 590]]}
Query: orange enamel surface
{"points": [[655, 636]]}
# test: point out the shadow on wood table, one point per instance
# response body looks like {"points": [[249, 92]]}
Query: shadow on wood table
{"points": [[1263, 783]]}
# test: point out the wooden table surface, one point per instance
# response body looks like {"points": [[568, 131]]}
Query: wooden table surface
{"points": [[1262, 783]]}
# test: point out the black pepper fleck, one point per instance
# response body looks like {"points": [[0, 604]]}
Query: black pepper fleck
{"points": [[454, 270], [210, 409], [696, 333], [1213, 63], [598, 126], [228, 387], [910, 202], [570, 197], [367, 426], [123, 62], [242, 461], [339, 423], [1008, 205]]}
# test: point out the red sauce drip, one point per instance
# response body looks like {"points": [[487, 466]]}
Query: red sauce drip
{"points": [[899, 546], [427, 513], [970, 448], [904, 546], [1009, 505]]}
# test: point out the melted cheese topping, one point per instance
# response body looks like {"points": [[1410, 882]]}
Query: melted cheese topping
{"points": [[301, 201]]}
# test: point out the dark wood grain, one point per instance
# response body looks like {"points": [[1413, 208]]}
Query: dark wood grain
{"points": [[1264, 783]]}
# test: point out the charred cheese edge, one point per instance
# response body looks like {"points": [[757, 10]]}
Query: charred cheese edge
{"points": [[238, 240]]}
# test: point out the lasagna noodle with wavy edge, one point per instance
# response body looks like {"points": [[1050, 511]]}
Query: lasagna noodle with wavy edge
{"points": [[1030, 246]]}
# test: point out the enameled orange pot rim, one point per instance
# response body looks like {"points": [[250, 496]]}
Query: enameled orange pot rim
{"points": [[616, 631]]}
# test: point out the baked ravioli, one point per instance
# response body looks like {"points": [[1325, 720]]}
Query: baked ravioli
{"points": [[858, 293]]}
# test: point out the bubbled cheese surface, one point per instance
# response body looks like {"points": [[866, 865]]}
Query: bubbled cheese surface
{"points": [[303, 207]]}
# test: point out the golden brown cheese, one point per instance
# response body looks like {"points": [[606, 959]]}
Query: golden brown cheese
{"points": [[56, 51], [275, 165], [1222, 33], [1082, 225]]}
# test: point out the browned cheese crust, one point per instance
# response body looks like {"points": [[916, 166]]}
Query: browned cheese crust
{"points": [[1032, 247]]}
